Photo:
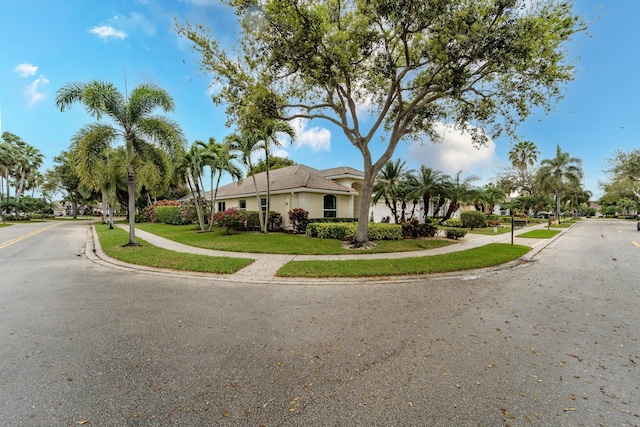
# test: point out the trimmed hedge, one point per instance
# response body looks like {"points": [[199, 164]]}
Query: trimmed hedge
{"points": [[332, 220], [168, 214], [347, 231], [453, 222], [455, 234], [413, 229], [472, 219]]}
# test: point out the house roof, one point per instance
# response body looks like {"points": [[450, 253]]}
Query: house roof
{"points": [[340, 172], [291, 178]]}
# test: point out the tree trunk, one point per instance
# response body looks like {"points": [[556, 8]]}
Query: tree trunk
{"points": [[131, 189], [104, 206], [212, 199], [266, 214], [255, 185], [214, 195], [196, 196], [110, 208], [426, 199], [362, 232]]}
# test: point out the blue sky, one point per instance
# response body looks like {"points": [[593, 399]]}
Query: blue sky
{"points": [[45, 44]]}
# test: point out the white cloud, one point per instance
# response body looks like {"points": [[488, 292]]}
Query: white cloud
{"points": [[455, 152], [25, 70], [32, 92], [106, 32], [133, 22], [316, 138]]}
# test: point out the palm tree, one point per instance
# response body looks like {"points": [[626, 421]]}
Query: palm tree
{"points": [[246, 143], [220, 160], [559, 174], [193, 166], [133, 121], [458, 192], [27, 162], [268, 132], [388, 185], [492, 196], [8, 155], [523, 154], [427, 183]]}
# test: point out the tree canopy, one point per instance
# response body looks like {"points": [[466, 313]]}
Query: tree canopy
{"points": [[374, 67]]}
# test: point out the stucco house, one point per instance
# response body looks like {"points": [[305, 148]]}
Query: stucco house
{"points": [[323, 193]]}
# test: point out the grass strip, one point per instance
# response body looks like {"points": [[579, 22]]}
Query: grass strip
{"points": [[279, 243], [539, 234], [485, 256], [112, 242]]}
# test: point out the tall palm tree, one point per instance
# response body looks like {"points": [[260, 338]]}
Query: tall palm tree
{"points": [[427, 183], [458, 192], [8, 155], [492, 196], [246, 143], [388, 185], [133, 122], [559, 174], [27, 162], [523, 154], [268, 131], [193, 167], [220, 160]]}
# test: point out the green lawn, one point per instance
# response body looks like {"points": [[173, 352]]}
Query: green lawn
{"points": [[485, 256], [539, 234], [112, 242], [278, 243]]}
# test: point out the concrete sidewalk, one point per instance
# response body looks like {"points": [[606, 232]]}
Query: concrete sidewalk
{"points": [[265, 266]]}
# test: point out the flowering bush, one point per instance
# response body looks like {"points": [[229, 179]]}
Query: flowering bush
{"points": [[232, 219], [299, 219]]}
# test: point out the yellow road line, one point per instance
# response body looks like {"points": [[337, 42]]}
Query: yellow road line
{"points": [[26, 236], [636, 243]]}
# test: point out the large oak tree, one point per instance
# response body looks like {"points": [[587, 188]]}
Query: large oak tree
{"points": [[393, 68]]}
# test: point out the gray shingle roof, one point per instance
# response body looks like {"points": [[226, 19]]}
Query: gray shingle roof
{"points": [[296, 177]]}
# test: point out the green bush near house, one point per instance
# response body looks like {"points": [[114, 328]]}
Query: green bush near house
{"points": [[168, 215], [347, 231], [453, 222], [455, 234], [472, 219]]}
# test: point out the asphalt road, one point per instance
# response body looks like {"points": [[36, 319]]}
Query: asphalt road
{"points": [[550, 343]]}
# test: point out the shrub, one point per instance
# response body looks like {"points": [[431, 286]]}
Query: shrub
{"points": [[189, 213], [472, 219], [275, 221], [493, 223], [347, 231], [415, 230], [455, 234], [149, 214], [168, 215], [324, 220], [299, 219], [453, 222], [232, 219]]}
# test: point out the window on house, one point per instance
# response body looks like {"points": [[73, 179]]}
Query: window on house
{"points": [[330, 204], [221, 206], [263, 204], [243, 205]]}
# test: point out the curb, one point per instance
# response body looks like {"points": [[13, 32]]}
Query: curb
{"points": [[94, 252]]}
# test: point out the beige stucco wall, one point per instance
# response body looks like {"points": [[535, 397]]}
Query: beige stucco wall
{"points": [[283, 203]]}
